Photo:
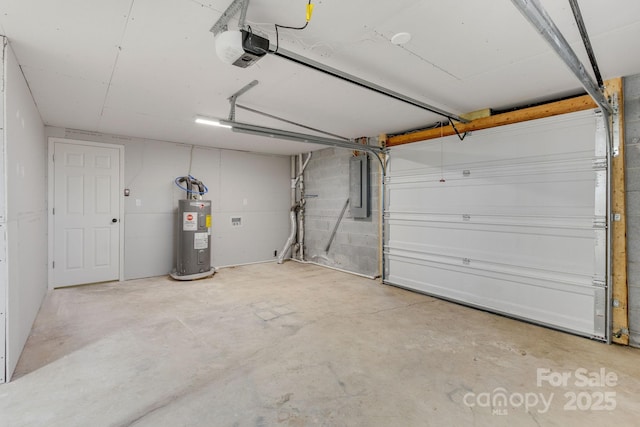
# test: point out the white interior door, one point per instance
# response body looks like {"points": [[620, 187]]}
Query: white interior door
{"points": [[511, 220], [86, 214]]}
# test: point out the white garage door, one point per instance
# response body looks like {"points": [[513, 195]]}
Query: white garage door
{"points": [[511, 220]]}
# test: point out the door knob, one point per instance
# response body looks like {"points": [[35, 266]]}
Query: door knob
{"points": [[114, 220]]}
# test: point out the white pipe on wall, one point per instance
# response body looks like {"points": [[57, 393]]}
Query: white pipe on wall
{"points": [[292, 215], [292, 236], [303, 202], [297, 206], [300, 179]]}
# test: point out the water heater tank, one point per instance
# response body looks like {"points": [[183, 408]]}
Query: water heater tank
{"points": [[194, 240]]}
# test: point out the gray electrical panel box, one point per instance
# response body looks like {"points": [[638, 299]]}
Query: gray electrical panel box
{"points": [[194, 238], [359, 194]]}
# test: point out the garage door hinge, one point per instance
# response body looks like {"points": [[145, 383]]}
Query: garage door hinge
{"points": [[600, 164], [599, 283], [600, 222], [615, 118]]}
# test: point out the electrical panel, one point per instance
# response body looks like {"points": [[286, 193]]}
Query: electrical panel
{"points": [[359, 186]]}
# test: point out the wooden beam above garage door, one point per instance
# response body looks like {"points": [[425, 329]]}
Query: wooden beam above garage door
{"points": [[571, 105]]}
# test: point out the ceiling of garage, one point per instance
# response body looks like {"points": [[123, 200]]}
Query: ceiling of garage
{"points": [[146, 68]]}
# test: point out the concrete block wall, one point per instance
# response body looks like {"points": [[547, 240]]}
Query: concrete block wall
{"points": [[355, 247], [632, 176]]}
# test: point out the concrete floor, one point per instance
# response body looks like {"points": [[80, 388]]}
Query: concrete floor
{"points": [[298, 345]]}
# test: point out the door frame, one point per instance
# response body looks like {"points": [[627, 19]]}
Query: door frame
{"points": [[51, 201]]}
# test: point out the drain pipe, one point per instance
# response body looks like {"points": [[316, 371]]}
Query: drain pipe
{"points": [[300, 180], [292, 214], [297, 207], [292, 235], [303, 201]]}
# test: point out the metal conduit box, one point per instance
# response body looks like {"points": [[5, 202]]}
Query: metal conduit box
{"points": [[359, 182]]}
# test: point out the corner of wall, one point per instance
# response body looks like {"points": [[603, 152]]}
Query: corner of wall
{"points": [[355, 247], [3, 221], [26, 217]]}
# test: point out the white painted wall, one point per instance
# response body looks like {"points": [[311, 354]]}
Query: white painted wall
{"points": [[3, 228], [26, 216], [252, 186]]}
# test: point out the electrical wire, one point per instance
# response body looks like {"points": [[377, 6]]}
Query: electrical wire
{"points": [[462, 137], [309, 8], [298, 28]]}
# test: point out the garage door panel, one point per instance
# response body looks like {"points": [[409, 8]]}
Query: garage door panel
{"points": [[510, 220], [521, 267], [528, 199], [470, 275], [524, 224], [538, 193], [504, 293], [511, 241], [562, 139]]}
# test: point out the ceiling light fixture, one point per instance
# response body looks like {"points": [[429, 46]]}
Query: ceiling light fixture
{"points": [[296, 136], [211, 122], [291, 136], [283, 134]]}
